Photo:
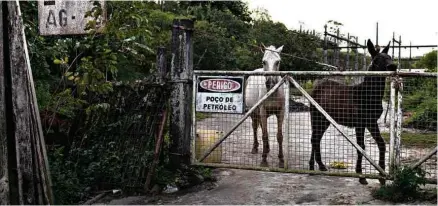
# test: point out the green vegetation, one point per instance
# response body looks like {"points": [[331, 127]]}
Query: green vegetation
{"points": [[406, 187], [415, 139]]}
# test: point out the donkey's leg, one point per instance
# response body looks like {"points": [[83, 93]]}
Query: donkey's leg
{"points": [[319, 126], [360, 131], [280, 118], [375, 132], [255, 124], [264, 123]]}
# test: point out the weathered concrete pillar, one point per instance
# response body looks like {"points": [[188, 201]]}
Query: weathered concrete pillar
{"points": [[181, 76]]}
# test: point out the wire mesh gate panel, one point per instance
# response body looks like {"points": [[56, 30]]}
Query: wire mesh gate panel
{"points": [[338, 155]]}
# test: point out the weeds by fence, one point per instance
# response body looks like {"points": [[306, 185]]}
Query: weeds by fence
{"points": [[113, 145]]}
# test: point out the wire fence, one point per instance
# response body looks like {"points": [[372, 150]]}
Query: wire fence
{"points": [[351, 106], [113, 143]]}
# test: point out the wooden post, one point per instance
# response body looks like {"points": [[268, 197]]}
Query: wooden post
{"points": [[28, 176], [181, 93], [4, 177]]}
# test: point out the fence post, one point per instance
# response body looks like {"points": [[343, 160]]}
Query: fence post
{"points": [[28, 178], [392, 127], [397, 140], [337, 50], [161, 65], [356, 64], [325, 44], [347, 60], [4, 177], [181, 92], [365, 56]]}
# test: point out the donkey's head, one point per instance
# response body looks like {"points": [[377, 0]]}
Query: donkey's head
{"points": [[271, 62], [381, 61]]}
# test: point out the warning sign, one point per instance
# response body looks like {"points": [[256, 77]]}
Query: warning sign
{"points": [[219, 94]]}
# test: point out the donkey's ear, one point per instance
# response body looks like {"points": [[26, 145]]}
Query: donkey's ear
{"points": [[385, 50], [279, 49], [371, 49]]}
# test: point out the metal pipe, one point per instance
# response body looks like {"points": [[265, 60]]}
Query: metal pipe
{"points": [[392, 128], [399, 52], [356, 63], [336, 125], [347, 57], [317, 73], [325, 44], [301, 171], [217, 143], [399, 89], [286, 122], [365, 57], [425, 158], [193, 135]]}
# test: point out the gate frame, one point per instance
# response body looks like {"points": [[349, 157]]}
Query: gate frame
{"points": [[395, 129]]}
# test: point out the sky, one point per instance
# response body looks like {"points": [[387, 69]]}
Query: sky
{"points": [[416, 21]]}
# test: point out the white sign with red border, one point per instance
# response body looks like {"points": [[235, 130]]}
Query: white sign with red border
{"points": [[219, 94]]}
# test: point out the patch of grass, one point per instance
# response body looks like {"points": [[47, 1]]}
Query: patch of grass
{"points": [[201, 116], [405, 187], [415, 139]]}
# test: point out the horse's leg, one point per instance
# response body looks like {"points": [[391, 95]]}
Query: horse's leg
{"points": [[280, 118], [255, 124], [360, 131], [264, 123], [375, 132], [319, 126]]}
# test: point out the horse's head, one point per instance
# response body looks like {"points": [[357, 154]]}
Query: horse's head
{"points": [[271, 62], [381, 61]]}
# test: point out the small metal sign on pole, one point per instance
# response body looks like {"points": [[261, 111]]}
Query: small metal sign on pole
{"points": [[61, 17], [219, 94]]}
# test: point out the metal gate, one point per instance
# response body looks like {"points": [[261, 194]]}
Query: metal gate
{"points": [[225, 139]]}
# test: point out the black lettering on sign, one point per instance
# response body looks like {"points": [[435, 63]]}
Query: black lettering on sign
{"points": [[63, 18], [51, 19]]}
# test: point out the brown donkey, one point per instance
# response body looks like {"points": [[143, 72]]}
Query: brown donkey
{"points": [[358, 106]]}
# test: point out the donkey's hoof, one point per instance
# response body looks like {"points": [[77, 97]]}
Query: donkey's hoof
{"points": [[281, 164], [322, 168], [264, 164], [255, 150], [363, 181], [382, 181]]}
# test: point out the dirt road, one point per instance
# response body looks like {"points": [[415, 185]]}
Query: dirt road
{"points": [[267, 188]]}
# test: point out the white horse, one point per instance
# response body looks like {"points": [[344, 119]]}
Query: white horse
{"points": [[256, 87]]}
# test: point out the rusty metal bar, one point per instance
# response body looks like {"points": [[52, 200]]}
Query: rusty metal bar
{"points": [[226, 135], [336, 125], [317, 73], [425, 158]]}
